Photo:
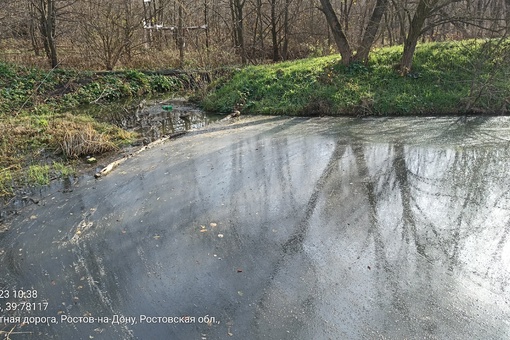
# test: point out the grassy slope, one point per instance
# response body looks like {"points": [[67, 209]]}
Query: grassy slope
{"points": [[447, 78]]}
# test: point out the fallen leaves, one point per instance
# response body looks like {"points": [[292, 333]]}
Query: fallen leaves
{"points": [[204, 229]]}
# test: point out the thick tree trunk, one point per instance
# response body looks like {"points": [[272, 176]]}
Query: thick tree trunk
{"points": [[338, 34], [371, 31]]}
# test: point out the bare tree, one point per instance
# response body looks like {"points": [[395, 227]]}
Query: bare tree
{"points": [[236, 8], [371, 31], [45, 12], [369, 35], [338, 33], [108, 28]]}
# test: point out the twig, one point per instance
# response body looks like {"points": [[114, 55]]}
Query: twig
{"points": [[11, 332], [100, 96]]}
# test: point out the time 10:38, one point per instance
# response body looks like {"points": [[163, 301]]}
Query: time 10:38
{"points": [[18, 294]]}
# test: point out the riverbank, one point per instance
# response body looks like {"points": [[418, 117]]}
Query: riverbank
{"points": [[467, 77], [45, 135]]}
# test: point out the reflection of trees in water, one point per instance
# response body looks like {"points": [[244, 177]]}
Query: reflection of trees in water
{"points": [[415, 217], [387, 229], [459, 205], [446, 199]]}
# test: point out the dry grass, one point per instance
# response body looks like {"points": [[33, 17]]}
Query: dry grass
{"points": [[71, 57], [74, 139]]}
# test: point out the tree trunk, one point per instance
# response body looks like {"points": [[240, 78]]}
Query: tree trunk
{"points": [[285, 47], [236, 8], [260, 25], [33, 31], [240, 29], [415, 29], [48, 23], [338, 34], [507, 17], [274, 32], [371, 31], [206, 22], [180, 36], [128, 30]]}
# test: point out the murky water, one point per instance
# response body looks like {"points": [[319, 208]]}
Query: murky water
{"points": [[281, 228], [154, 118]]}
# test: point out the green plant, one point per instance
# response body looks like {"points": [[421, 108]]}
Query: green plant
{"points": [[63, 170], [160, 83], [39, 175], [6, 182]]}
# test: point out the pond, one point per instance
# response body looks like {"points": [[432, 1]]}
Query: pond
{"points": [[277, 228]]}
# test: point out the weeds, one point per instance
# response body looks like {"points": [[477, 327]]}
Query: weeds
{"points": [[36, 123], [447, 78], [6, 182], [81, 136], [39, 175], [62, 170]]}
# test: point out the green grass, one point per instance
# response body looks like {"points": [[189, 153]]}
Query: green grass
{"points": [[24, 89], [446, 79], [40, 121], [39, 174], [6, 182], [62, 170]]}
